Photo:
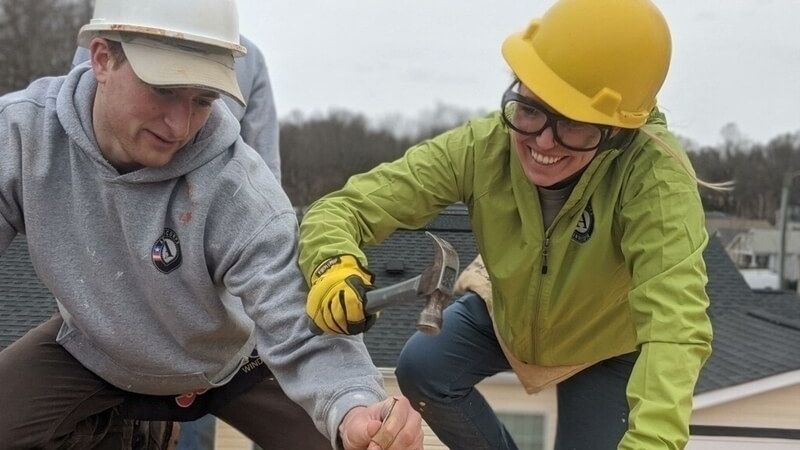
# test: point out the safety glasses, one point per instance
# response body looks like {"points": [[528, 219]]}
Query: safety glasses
{"points": [[527, 116]]}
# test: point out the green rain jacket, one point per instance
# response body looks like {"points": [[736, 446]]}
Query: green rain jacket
{"points": [[619, 269]]}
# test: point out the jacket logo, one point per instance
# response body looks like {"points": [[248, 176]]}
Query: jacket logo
{"points": [[585, 227], [166, 253]]}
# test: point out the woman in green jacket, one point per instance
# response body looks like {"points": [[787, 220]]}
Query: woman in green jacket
{"points": [[588, 219]]}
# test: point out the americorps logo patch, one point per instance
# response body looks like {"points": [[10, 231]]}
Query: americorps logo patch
{"points": [[585, 227], [166, 252]]}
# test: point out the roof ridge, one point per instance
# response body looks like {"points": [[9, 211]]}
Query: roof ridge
{"points": [[774, 319]]}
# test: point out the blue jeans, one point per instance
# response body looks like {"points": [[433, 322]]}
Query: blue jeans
{"points": [[438, 374], [198, 434]]}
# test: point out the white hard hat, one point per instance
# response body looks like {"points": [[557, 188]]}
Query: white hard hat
{"points": [[173, 43]]}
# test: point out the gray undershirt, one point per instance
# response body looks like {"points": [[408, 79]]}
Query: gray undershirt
{"points": [[552, 200]]}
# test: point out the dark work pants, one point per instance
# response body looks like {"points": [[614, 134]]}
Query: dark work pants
{"points": [[438, 374], [49, 400]]}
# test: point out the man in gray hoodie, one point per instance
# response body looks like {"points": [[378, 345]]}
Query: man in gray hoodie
{"points": [[259, 129], [171, 251]]}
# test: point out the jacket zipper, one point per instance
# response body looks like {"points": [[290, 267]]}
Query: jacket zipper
{"points": [[544, 254], [539, 292]]}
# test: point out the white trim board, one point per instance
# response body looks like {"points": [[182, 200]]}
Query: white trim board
{"points": [[701, 401], [729, 394], [502, 378]]}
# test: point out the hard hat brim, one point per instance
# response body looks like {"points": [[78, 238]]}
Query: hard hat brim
{"points": [[161, 64]]}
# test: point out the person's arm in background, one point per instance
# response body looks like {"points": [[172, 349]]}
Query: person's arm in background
{"points": [[259, 120], [663, 238]]}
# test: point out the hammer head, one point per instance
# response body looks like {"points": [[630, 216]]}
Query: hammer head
{"points": [[436, 283]]}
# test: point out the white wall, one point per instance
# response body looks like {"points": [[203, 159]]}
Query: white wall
{"points": [[731, 443], [778, 408]]}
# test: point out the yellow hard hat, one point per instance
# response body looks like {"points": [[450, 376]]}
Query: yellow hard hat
{"points": [[598, 61]]}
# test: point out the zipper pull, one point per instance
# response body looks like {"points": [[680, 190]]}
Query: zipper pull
{"points": [[544, 255]]}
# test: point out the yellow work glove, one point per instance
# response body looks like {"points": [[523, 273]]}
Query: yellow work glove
{"points": [[338, 296]]}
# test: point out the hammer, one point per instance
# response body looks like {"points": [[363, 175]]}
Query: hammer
{"points": [[435, 284]]}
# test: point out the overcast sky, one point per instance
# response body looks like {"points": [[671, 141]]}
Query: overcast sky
{"points": [[732, 60]]}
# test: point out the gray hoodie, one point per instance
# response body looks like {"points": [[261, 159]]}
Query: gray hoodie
{"points": [[167, 278]]}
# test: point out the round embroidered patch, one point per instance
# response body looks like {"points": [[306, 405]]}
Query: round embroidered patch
{"points": [[166, 252]]}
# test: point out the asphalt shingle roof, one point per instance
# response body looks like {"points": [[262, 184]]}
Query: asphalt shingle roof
{"points": [[24, 301], [756, 335]]}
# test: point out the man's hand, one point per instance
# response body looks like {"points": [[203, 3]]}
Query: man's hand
{"points": [[388, 425], [337, 297]]}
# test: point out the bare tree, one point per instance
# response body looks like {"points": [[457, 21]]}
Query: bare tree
{"points": [[38, 38], [320, 152], [757, 170]]}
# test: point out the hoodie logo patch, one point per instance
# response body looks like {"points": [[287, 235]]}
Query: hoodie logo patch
{"points": [[585, 227], [166, 253]]}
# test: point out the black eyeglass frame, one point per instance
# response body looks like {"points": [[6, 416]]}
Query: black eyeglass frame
{"points": [[551, 119]]}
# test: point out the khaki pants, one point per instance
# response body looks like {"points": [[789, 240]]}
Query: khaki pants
{"points": [[50, 401]]}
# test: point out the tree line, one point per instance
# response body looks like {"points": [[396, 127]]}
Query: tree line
{"points": [[757, 169], [38, 38], [320, 151]]}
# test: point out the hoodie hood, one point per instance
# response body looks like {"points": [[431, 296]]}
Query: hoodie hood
{"points": [[74, 109]]}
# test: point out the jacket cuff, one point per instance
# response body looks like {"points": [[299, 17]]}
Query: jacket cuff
{"points": [[343, 261]]}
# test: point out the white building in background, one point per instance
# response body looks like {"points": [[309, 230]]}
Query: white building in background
{"points": [[761, 279], [758, 249]]}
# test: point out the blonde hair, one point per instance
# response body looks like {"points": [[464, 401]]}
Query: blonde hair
{"points": [[671, 151]]}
